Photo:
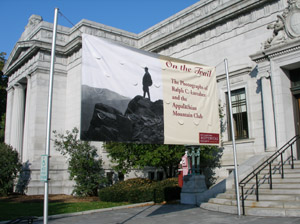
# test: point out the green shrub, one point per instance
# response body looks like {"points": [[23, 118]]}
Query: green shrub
{"points": [[9, 168], [85, 167], [166, 190], [141, 190], [112, 194], [119, 192]]}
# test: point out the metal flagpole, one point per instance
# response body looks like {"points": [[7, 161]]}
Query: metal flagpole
{"points": [[50, 93], [236, 177]]}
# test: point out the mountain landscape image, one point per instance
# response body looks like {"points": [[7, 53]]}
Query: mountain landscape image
{"points": [[109, 116]]}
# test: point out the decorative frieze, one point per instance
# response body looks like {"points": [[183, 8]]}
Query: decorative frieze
{"points": [[198, 18], [229, 29], [287, 25], [47, 34], [277, 50], [292, 19]]}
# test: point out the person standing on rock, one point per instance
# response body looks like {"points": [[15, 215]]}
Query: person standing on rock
{"points": [[147, 81]]}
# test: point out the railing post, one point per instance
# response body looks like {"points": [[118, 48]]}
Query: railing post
{"points": [[270, 173], [292, 156], [256, 192], [243, 202], [282, 174]]}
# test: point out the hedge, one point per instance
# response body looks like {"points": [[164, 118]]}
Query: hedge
{"points": [[141, 190]]}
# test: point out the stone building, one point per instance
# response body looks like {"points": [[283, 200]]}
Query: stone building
{"points": [[260, 39]]}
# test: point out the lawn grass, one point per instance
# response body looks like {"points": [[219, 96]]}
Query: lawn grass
{"points": [[12, 210]]}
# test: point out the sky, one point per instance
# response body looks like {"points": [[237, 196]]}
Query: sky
{"points": [[130, 15]]}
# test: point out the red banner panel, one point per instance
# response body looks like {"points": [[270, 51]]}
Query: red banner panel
{"points": [[209, 138]]}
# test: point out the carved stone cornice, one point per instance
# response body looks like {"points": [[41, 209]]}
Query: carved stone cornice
{"points": [[33, 46], [195, 19], [277, 50], [25, 49], [235, 73]]}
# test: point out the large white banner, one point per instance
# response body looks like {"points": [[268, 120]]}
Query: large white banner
{"points": [[130, 95]]}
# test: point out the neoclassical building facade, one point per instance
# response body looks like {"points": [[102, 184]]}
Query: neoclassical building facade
{"points": [[260, 39]]}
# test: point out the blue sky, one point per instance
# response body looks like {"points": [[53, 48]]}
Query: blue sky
{"points": [[130, 15]]}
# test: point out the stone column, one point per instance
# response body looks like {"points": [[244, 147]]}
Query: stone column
{"points": [[8, 115], [17, 123], [268, 111], [26, 121]]}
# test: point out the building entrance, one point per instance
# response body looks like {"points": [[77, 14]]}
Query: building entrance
{"points": [[295, 83]]}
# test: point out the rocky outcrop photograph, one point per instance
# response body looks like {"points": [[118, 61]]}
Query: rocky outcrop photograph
{"points": [[117, 118]]}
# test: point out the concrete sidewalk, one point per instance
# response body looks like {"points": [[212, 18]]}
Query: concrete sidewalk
{"points": [[166, 214]]}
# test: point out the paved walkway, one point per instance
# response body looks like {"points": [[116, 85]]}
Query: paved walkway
{"points": [[167, 214]]}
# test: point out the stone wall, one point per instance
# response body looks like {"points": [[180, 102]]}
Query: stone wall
{"points": [[206, 32]]}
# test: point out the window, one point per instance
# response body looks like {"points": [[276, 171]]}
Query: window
{"points": [[121, 176], [295, 79], [151, 175], [239, 112], [109, 176], [160, 175]]}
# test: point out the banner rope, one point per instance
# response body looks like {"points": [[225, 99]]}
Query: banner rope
{"points": [[221, 62], [68, 20]]}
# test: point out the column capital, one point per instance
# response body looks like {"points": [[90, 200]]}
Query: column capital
{"points": [[18, 85], [10, 88]]}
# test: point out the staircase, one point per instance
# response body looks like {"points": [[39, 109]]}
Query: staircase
{"points": [[282, 200], [272, 189]]}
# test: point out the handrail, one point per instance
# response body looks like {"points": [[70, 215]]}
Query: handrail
{"points": [[263, 165]]}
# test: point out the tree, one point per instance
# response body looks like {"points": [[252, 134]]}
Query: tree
{"points": [[10, 166], [3, 95], [167, 157], [128, 156], [84, 166], [210, 157]]}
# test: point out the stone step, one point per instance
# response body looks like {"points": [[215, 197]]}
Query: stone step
{"points": [[274, 186], [278, 175], [289, 178], [267, 212], [282, 200], [219, 208], [280, 180], [278, 171], [275, 180], [273, 212], [274, 191], [260, 204], [286, 165], [262, 197]]}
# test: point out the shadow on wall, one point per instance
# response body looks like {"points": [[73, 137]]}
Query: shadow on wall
{"points": [[24, 178], [253, 74]]}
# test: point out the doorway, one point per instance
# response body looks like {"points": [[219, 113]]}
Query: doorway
{"points": [[295, 84]]}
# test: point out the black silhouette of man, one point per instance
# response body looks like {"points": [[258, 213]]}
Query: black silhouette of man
{"points": [[147, 81]]}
